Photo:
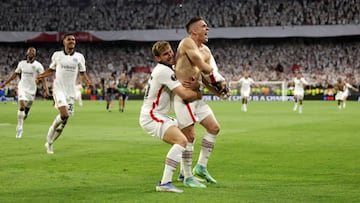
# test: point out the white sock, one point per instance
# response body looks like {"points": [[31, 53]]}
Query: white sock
{"points": [[295, 106], [21, 115], [52, 135], [186, 161], [173, 158], [207, 145]]}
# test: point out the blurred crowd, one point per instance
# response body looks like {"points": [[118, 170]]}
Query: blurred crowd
{"points": [[322, 61], [86, 15]]}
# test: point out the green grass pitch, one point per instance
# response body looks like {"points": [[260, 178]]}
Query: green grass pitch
{"points": [[268, 154]]}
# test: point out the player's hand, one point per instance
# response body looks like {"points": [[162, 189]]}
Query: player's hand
{"points": [[193, 84], [222, 89]]}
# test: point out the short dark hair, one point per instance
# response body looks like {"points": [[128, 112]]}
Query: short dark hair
{"points": [[68, 34], [192, 21], [159, 47]]}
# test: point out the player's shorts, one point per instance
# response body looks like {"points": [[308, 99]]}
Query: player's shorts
{"points": [[26, 96], [110, 97], [299, 94], [339, 95], [190, 113], [245, 93], [123, 95], [62, 100], [157, 126]]}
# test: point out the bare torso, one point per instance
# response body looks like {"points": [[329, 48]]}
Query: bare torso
{"points": [[185, 69]]}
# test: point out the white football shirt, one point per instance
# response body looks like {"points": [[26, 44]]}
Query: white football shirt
{"points": [[28, 72], [67, 68], [246, 84], [299, 85], [159, 91]]}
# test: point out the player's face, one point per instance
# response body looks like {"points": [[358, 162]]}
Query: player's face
{"points": [[202, 29], [69, 42], [31, 53], [167, 56]]}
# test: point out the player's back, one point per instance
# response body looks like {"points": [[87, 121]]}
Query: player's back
{"points": [[158, 93]]}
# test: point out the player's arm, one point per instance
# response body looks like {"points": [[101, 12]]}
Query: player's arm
{"points": [[46, 90], [85, 79], [211, 88], [12, 77], [193, 53], [45, 74], [187, 94], [223, 92], [353, 88]]}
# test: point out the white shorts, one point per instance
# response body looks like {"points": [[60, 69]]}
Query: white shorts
{"points": [[62, 100], [26, 96], [245, 93], [190, 113], [156, 127], [299, 94], [339, 95]]}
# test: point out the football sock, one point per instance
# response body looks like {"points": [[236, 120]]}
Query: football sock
{"points": [[173, 158], [186, 161], [207, 146], [21, 115], [51, 137]]}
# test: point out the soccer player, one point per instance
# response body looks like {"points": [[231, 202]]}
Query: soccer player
{"points": [[245, 82], [342, 93], [122, 87], [110, 87], [299, 84], [27, 70], [194, 59], [154, 117], [66, 64]]}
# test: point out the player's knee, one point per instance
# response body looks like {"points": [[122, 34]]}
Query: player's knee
{"points": [[64, 118], [183, 142], [215, 129]]}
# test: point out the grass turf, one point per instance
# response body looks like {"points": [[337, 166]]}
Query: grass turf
{"points": [[268, 154]]}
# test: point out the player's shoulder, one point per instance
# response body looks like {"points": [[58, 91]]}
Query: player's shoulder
{"points": [[38, 63], [22, 62]]}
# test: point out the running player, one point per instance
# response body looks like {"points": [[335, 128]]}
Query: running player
{"points": [[27, 70], [66, 64], [299, 84]]}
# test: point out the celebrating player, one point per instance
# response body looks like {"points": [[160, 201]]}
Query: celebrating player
{"points": [[66, 64], [299, 84], [154, 117], [193, 59], [245, 83], [27, 70]]}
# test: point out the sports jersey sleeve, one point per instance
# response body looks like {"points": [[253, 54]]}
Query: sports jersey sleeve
{"points": [[169, 79], [40, 68], [53, 61], [82, 67], [18, 68], [304, 81]]}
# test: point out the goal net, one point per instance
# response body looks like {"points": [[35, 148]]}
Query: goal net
{"points": [[264, 91]]}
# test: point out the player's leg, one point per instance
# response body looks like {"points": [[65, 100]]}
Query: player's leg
{"points": [[295, 102], [66, 108], [20, 118], [187, 157], [121, 102], [177, 139], [207, 145]]}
